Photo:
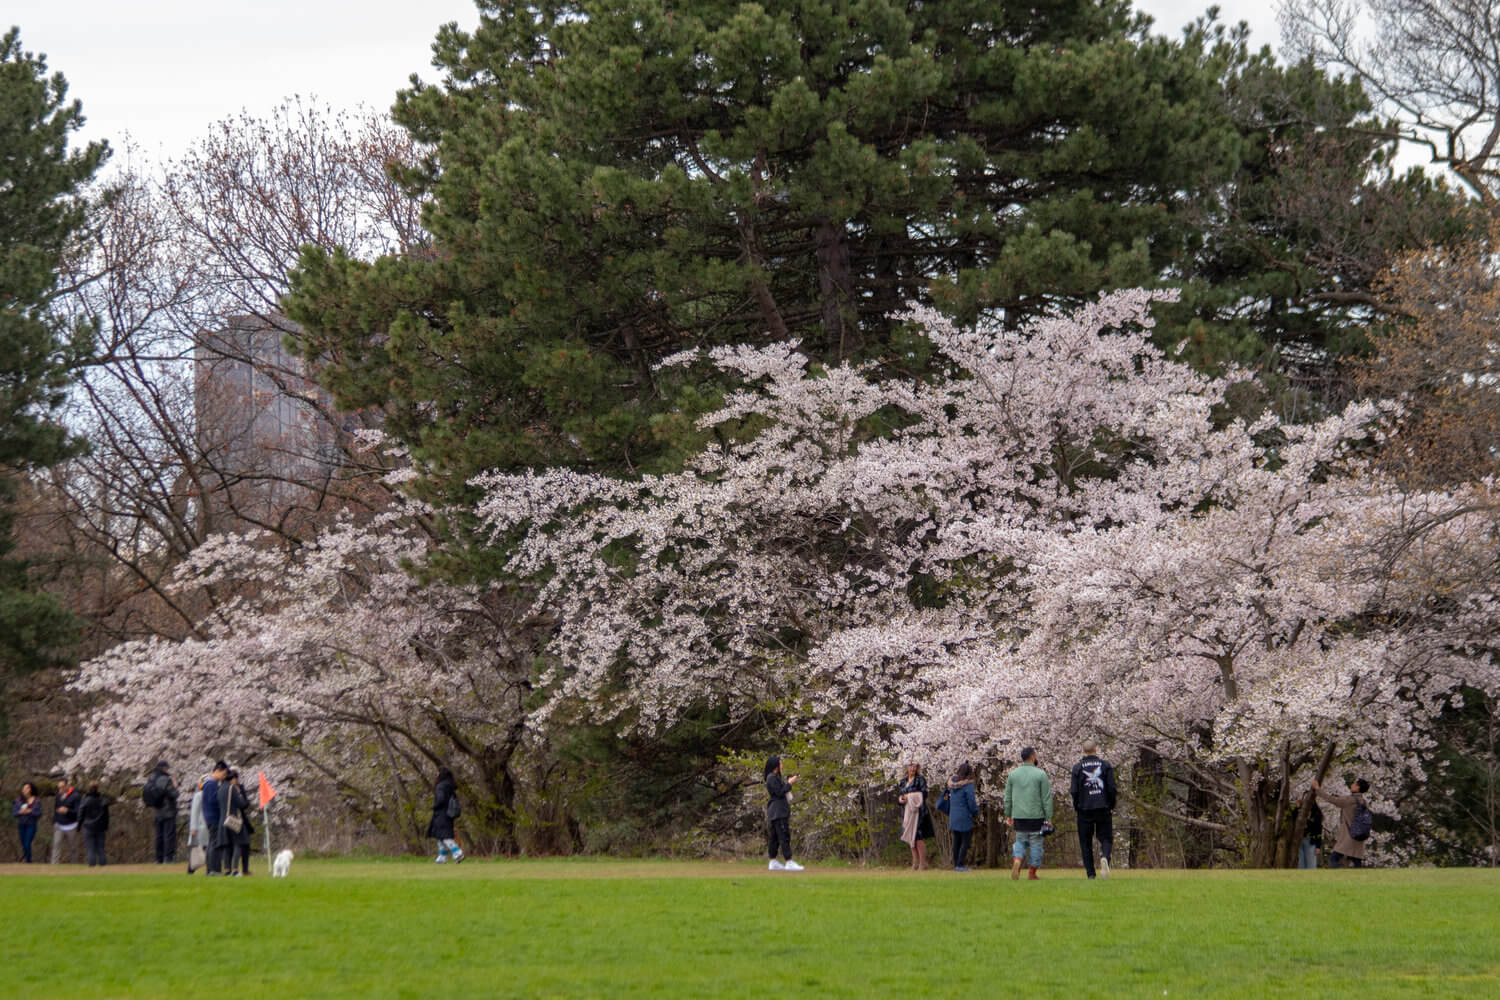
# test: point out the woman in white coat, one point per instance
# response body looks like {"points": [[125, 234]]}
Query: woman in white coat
{"points": [[197, 831]]}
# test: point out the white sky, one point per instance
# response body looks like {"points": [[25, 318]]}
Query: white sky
{"points": [[163, 71]]}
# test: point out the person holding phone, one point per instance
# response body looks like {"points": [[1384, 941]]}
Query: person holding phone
{"points": [[779, 816]]}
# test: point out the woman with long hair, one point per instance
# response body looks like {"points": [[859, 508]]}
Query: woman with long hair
{"points": [[445, 810], [916, 821], [28, 812], [234, 844]]}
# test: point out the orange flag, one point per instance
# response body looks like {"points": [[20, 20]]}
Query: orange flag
{"points": [[267, 793]]}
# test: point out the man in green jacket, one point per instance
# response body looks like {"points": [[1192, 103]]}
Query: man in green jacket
{"points": [[1028, 808]]}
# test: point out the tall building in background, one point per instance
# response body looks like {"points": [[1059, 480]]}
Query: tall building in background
{"points": [[267, 435]]}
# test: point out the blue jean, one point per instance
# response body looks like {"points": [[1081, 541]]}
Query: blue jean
{"points": [[1307, 854], [28, 834], [1032, 840]]}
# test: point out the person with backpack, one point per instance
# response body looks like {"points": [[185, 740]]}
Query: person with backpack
{"points": [[445, 809], [1355, 823], [160, 796], [93, 816]]}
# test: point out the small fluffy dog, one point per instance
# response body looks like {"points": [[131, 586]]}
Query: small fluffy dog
{"points": [[282, 864]]}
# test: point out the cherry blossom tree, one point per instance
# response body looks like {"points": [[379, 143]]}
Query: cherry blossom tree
{"points": [[327, 662], [1064, 538]]}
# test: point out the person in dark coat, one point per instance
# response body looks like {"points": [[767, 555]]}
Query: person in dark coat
{"points": [[93, 817], [234, 845], [213, 817], [779, 816], [164, 793], [1093, 790], [445, 809], [963, 809], [915, 784], [1312, 837], [232, 802], [28, 813]]}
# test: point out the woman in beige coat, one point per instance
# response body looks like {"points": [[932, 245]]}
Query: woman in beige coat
{"points": [[1346, 847]]}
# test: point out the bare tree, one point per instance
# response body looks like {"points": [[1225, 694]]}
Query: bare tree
{"points": [[199, 420], [1434, 64], [1442, 361]]}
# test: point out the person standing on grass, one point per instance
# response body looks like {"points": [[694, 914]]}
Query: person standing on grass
{"points": [[197, 828], [28, 813], [444, 811], [1028, 808], [1312, 837], [93, 817], [963, 809], [916, 823], [235, 844], [160, 795], [1345, 847], [1093, 790], [779, 816], [65, 820], [212, 817]]}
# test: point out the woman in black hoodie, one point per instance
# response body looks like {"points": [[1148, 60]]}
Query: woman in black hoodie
{"points": [[93, 816], [445, 810], [779, 816]]}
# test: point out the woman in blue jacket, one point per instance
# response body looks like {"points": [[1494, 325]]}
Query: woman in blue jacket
{"points": [[27, 810], [963, 809]]}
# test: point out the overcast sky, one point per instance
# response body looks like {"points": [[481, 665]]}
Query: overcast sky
{"points": [[164, 70]]}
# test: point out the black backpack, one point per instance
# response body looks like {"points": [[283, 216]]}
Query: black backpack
{"points": [[154, 793], [1362, 822], [455, 809]]}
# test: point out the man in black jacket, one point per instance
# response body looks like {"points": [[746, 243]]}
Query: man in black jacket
{"points": [[160, 794], [1093, 789]]}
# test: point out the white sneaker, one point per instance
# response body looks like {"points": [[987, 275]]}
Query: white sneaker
{"points": [[1104, 867], [792, 866], [775, 866], [441, 859]]}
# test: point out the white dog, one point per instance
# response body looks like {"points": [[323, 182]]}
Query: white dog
{"points": [[283, 862]]}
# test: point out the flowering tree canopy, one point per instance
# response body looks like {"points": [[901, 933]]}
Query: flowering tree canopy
{"points": [[1064, 538], [1067, 536]]}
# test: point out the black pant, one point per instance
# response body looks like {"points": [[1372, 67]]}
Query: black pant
{"points": [[1336, 857], [1094, 823], [93, 847], [961, 841], [240, 855], [214, 858], [166, 840], [779, 834]]}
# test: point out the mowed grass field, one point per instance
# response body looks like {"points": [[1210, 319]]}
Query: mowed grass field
{"points": [[598, 928]]}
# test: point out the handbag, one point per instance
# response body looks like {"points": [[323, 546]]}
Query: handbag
{"points": [[234, 824]]}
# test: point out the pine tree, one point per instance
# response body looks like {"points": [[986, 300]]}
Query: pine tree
{"points": [[614, 182], [42, 206]]}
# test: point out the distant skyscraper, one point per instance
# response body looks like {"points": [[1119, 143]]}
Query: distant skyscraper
{"points": [[266, 433]]}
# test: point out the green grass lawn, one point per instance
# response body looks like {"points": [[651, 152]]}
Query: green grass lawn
{"points": [[611, 929]]}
